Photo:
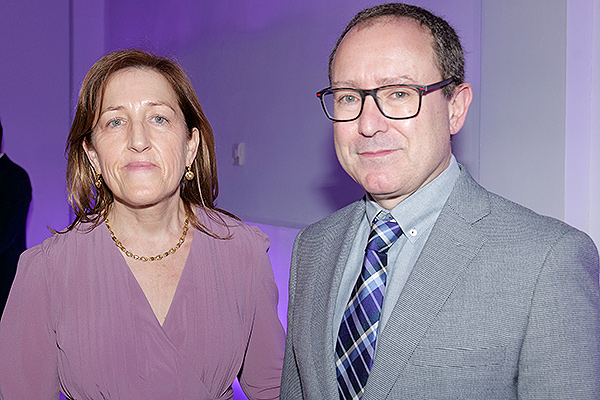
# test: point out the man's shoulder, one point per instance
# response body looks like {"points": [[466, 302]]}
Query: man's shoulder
{"points": [[340, 217], [6, 162], [333, 227], [501, 215], [525, 218], [12, 172], [328, 237]]}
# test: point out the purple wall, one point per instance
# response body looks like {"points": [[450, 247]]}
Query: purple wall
{"points": [[256, 67], [34, 103]]}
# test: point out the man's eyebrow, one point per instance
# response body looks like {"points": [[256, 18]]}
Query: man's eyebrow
{"points": [[400, 80]]}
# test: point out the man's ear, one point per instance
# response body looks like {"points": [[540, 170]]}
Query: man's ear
{"points": [[459, 105]]}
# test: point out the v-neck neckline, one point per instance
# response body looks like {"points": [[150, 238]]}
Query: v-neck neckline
{"points": [[131, 276]]}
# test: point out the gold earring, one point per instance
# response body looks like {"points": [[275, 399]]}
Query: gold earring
{"points": [[189, 174], [97, 181]]}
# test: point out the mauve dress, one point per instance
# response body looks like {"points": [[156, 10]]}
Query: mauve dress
{"points": [[78, 321]]}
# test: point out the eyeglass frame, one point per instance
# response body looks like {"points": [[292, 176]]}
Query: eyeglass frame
{"points": [[421, 89]]}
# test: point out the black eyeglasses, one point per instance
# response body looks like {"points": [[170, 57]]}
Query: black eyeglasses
{"points": [[394, 101]]}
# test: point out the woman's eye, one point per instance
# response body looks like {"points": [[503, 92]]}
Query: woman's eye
{"points": [[115, 123], [160, 120]]}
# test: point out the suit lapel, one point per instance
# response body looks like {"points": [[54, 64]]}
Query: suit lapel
{"points": [[336, 244], [447, 254]]}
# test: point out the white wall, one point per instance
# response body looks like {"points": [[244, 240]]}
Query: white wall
{"points": [[540, 136], [594, 166], [523, 102], [582, 145]]}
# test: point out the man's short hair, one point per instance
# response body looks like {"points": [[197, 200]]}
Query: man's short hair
{"points": [[446, 43]]}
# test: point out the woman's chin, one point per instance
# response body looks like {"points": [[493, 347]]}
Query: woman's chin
{"points": [[146, 199]]}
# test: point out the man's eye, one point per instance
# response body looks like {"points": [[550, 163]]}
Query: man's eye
{"points": [[399, 94], [395, 94], [160, 120], [347, 98]]}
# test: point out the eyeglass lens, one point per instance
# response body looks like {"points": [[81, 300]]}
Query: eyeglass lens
{"points": [[394, 102]]}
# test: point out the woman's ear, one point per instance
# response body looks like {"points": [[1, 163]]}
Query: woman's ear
{"points": [[92, 156], [192, 146]]}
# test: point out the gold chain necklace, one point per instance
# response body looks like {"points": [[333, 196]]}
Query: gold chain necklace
{"points": [[156, 257]]}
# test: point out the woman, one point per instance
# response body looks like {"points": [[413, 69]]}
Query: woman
{"points": [[152, 292]]}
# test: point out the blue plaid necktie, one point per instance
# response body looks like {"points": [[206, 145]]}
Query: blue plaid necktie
{"points": [[355, 346]]}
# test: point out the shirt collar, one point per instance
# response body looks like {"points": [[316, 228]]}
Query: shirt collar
{"points": [[417, 213]]}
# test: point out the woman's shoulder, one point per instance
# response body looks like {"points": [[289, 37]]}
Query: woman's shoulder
{"points": [[230, 228], [59, 244]]}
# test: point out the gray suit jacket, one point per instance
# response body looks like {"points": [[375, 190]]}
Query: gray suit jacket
{"points": [[502, 304]]}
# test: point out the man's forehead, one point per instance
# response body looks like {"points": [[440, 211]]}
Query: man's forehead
{"points": [[389, 50], [390, 19], [399, 23], [388, 32]]}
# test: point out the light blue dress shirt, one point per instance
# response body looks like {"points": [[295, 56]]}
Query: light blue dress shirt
{"points": [[416, 215]]}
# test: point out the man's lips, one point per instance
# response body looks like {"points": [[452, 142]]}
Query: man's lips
{"points": [[375, 153]]}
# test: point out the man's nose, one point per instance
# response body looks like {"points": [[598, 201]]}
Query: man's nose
{"points": [[371, 119]]}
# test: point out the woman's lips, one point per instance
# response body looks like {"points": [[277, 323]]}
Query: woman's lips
{"points": [[140, 165]]}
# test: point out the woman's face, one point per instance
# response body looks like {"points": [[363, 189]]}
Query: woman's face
{"points": [[140, 143]]}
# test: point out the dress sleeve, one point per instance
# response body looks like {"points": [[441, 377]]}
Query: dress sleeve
{"points": [[28, 350], [260, 377], [560, 357], [290, 381]]}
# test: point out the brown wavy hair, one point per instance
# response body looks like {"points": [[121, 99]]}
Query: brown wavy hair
{"points": [[90, 204]]}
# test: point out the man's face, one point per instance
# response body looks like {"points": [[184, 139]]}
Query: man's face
{"points": [[391, 159]]}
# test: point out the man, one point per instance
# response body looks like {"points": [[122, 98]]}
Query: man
{"points": [[15, 195], [460, 294]]}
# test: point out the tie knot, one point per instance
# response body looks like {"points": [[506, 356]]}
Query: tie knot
{"points": [[384, 232]]}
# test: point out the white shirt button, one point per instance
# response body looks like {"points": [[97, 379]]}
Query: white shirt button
{"points": [[413, 232]]}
